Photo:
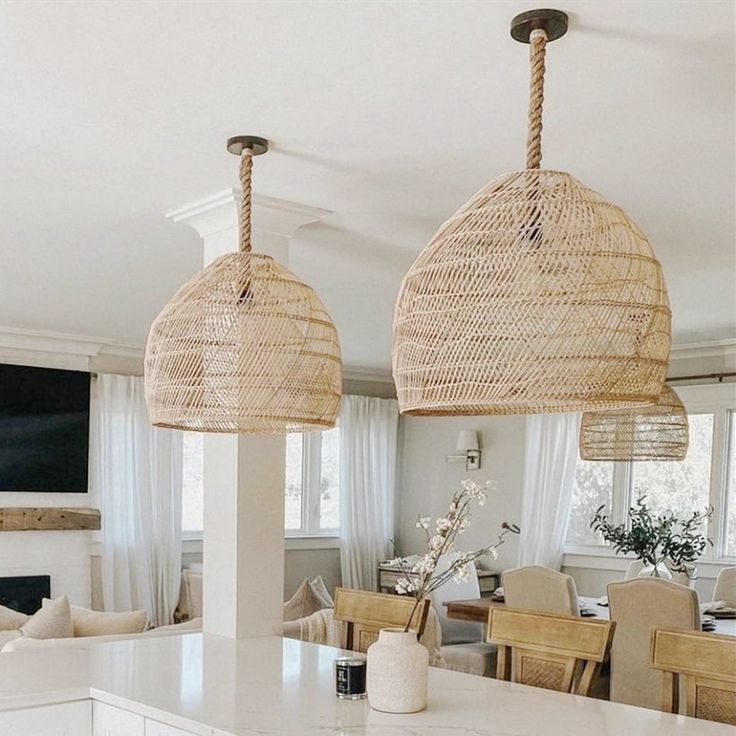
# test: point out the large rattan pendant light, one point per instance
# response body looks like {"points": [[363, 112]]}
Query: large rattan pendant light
{"points": [[245, 346], [656, 432], [536, 296]]}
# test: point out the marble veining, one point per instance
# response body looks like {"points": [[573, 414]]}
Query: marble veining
{"points": [[211, 686]]}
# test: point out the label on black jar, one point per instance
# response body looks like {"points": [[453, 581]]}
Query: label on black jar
{"points": [[350, 677]]}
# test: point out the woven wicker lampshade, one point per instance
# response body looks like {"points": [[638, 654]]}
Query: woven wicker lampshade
{"points": [[656, 432], [537, 295], [244, 347]]}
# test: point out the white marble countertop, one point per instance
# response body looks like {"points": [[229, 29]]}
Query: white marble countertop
{"points": [[253, 687]]}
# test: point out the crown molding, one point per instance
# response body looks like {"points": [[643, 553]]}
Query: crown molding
{"points": [[219, 212], [711, 349], [123, 349], [88, 346], [61, 348], [12, 338], [15, 341]]}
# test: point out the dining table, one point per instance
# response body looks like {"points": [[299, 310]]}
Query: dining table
{"points": [[476, 609]]}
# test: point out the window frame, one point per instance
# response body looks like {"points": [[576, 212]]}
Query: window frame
{"points": [[718, 399], [311, 501]]}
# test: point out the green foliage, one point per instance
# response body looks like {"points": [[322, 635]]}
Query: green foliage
{"points": [[654, 538]]}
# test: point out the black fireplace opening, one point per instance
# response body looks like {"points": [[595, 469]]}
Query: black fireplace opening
{"points": [[25, 593]]}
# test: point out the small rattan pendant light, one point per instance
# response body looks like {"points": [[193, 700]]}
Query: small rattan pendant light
{"points": [[656, 432], [245, 346], [536, 296]]}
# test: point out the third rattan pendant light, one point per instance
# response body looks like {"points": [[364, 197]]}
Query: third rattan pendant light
{"points": [[245, 346], [656, 432], [536, 296]]}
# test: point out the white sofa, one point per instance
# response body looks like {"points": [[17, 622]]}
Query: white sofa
{"points": [[11, 641]]}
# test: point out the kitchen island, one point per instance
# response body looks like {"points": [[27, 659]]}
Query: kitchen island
{"points": [[212, 686]]}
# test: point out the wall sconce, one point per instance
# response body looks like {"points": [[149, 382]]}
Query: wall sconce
{"points": [[468, 450]]}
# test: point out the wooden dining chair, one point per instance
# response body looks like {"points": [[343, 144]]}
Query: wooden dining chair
{"points": [[367, 613], [538, 588], [725, 589], [638, 607], [706, 663], [547, 650]]}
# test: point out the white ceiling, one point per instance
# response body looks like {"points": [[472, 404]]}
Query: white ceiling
{"points": [[390, 114]]}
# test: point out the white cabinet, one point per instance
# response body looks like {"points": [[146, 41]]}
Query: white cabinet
{"points": [[64, 719], [82, 718], [111, 721], [154, 728]]}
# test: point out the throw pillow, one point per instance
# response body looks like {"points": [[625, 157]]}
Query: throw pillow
{"points": [[52, 621], [323, 595], [11, 620], [99, 623], [303, 603], [7, 636]]}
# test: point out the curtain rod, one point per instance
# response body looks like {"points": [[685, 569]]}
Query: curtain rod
{"points": [[718, 377]]}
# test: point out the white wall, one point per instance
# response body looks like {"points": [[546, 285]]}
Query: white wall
{"points": [[309, 563], [64, 555], [427, 482], [303, 559], [592, 581]]}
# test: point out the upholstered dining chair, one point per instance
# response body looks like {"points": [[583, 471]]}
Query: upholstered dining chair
{"points": [[463, 646], [367, 613], [688, 579], [706, 663], [547, 650], [638, 607], [725, 589], [537, 588]]}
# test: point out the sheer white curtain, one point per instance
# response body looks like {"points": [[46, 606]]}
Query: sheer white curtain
{"points": [[368, 431], [137, 474], [550, 457]]}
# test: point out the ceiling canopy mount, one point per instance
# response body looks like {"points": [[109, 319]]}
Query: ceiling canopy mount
{"points": [[552, 22], [237, 144]]}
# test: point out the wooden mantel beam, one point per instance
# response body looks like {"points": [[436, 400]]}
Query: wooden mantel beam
{"points": [[18, 519]]}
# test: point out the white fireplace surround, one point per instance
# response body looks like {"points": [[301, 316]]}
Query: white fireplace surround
{"points": [[64, 555]]}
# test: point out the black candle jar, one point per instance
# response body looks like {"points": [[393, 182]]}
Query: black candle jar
{"points": [[350, 678]]}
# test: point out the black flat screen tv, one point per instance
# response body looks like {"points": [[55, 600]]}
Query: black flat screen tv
{"points": [[44, 429]]}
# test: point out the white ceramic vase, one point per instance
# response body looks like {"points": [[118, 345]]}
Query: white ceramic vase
{"points": [[397, 672], [660, 570]]}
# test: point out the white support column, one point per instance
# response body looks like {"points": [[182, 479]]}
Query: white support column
{"points": [[243, 573]]}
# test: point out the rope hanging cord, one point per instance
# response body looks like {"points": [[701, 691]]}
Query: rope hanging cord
{"points": [[246, 184], [246, 175], [537, 51]]}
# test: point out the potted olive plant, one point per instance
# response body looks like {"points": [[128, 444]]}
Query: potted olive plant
{"points": [[397, 663], [655, 538]]}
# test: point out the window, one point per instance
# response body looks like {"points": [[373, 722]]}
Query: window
{"points": [[706, 477], [192, 499], [312, 484], [293, 482], [680, 487], [312, 492], [593, 489], [731, 497]]}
